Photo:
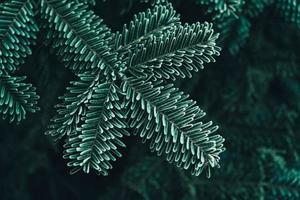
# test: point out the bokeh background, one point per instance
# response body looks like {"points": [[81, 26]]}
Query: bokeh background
{"points": [[252, 92]]}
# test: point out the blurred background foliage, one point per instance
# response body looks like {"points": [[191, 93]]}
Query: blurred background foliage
{"points": [[252, 92]]}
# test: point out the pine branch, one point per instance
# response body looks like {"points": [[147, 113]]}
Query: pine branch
{"points": [[268, 176], [144, 25], [243, 28], [253, 8], [73, 106], [153, 2], [173, 124], [91, 114], [289, 10], [99, 137], [90, 2], [176, 53], [81, 39], [265, 175], [17, 33], [16, 98], [221, 8]]}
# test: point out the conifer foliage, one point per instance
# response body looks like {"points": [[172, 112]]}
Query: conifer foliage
{"points": [[17, 33], [125, 87], [122, 86], [232, 18]]}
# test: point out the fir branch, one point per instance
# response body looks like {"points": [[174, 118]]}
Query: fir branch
{"points": [[270, 177], [221, 8], [173, 123], [16, 97], [289, 10], [82, 39], [73, 106], [253, 8], [17, 33], [91, 114], [90, 2], [176, 53], [144, 25], [99, 137]]}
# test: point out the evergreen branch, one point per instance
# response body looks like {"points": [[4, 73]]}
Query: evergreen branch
{"points": [[16, 98], [17, 32], [73, 106], [265, 175], [91, 114], [81, 39], [176, 53], [242, 27], [289, 10], [90, 2], [174, 125], [255, 7], [153, 2], [221, 8], [268, 176], [153, 22], [99, 137]]}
